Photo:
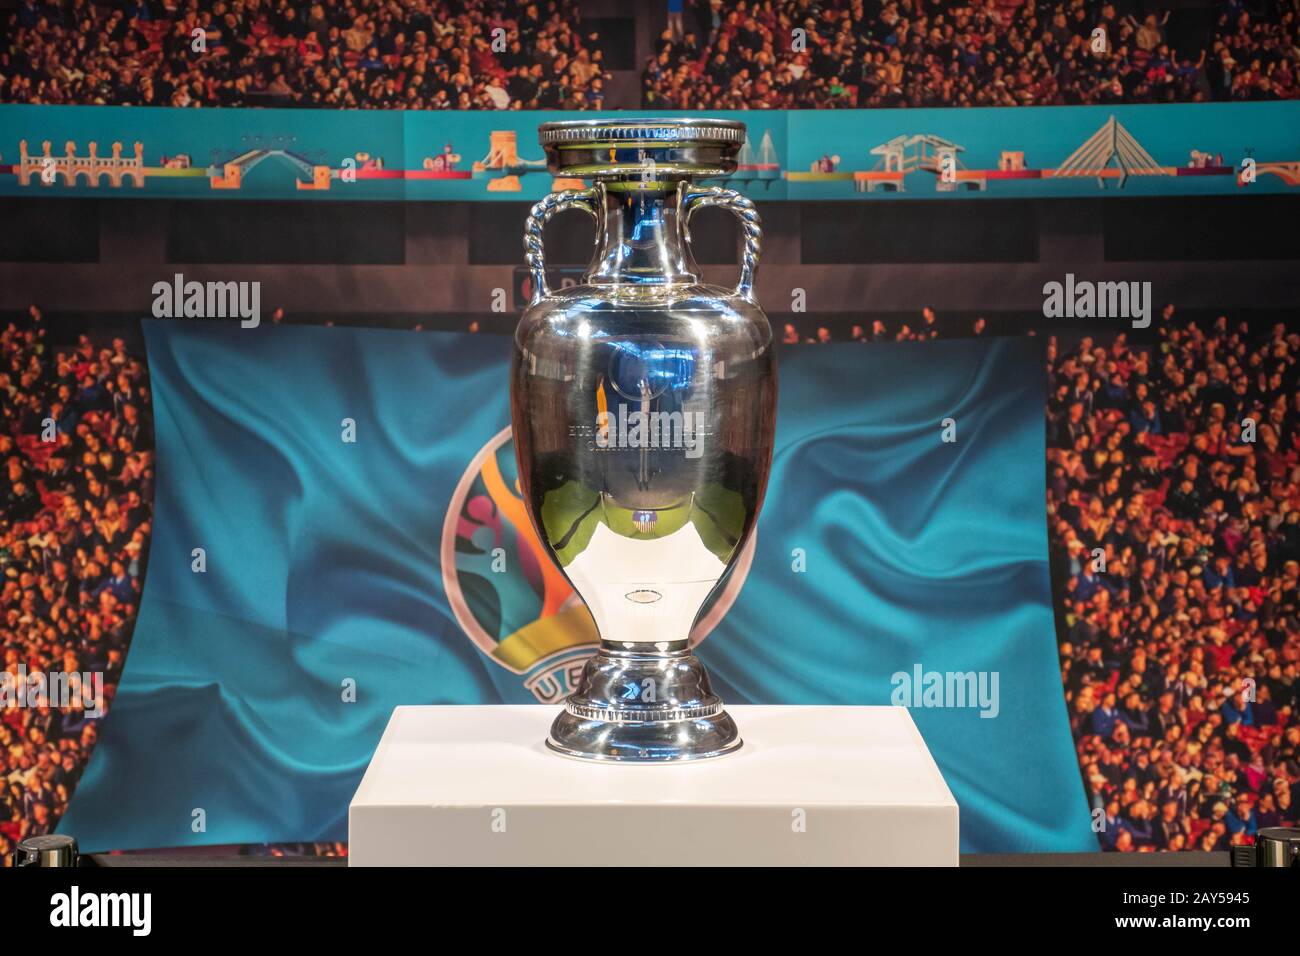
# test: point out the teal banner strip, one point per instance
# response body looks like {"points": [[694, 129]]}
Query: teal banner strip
{"points": [[1027, 152]]}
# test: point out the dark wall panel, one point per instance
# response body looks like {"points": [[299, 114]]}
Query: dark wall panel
{"points": [[921, 231], [1201, 229], [49, 230], [287, 233]]}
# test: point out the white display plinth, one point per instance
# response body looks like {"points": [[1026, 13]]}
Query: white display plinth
{"points": [[475, 786]]}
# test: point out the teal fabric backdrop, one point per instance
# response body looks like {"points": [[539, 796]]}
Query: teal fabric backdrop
{"points": [[881, 549]]}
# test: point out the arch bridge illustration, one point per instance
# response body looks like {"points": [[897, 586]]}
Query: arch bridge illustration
{"points": [[1289, 173], [47, 168], [230, 174]]}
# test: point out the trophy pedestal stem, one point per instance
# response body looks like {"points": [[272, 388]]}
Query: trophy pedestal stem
{"points": [[644, 703]]}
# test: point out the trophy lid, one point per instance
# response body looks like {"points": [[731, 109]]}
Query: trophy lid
{"points": [[1274, 847], [645, 148], [54, 849]]}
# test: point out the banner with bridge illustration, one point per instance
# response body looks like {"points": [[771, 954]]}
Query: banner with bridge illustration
{"points": [[1024, 152]]}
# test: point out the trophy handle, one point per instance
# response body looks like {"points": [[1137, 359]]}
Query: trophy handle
{"points": [[697, 197], [588, 200]]}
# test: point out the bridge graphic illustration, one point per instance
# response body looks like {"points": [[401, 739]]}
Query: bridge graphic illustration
{"points": [[307, 174], [45, 168], [1112, 154], [1111, 144]]}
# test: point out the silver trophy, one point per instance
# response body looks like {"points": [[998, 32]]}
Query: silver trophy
{"points": [[644, 407]]}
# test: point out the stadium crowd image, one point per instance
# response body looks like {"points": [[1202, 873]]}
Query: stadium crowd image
{"points": [[1168, 458], [432, 55]]}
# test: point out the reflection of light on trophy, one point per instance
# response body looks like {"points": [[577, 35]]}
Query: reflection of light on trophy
{"points": [[602, 415], [645, 449]]}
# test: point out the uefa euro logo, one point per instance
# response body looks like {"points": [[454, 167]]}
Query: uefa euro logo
{"points": [[508, 595]]}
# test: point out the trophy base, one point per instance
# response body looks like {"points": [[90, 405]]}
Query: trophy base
{"points": [[644, 703]]}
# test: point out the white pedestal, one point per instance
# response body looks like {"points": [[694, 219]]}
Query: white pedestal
{"points": [[474, 786]]}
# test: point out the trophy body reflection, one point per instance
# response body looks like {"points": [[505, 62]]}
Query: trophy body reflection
{"points": [[644, 405]]}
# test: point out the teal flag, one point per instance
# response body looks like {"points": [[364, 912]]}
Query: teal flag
{"points": [[338, 531]]}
